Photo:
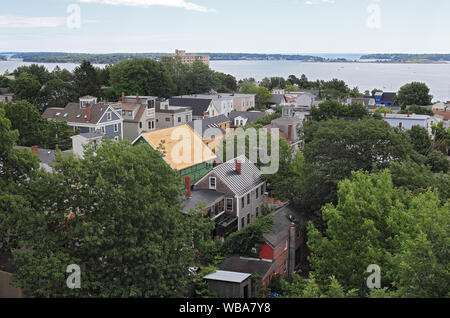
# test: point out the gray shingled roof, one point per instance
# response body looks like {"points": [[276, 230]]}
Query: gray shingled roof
{"points": [[198, 105], [251, 116], [282, 224], [240, 184], [75, 114], [212, 122]]}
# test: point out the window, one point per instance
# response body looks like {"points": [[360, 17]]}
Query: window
{"points": [[116, 127], [220, 207], [262, 190], [400, 125], [242, 223], [150, 125], [248, 198], [188, 118], [286, 245], [167, 118], [257, 212], [229, 204], [179, 119], [257, 193], [140, 125], [242, 202], [150, 104], [103, 129], [285, 266], [116, 138], [248, 218], [212, 183], [108, 116]]}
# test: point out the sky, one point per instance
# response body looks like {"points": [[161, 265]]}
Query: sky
{"points": [[225, 26]]}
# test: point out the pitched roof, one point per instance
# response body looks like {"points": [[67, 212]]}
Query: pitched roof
{"points": [[198, 105], [282, 224], [179, 138], [240, 184], [251, 116], [205, 124], [72, 113], [246, 265]]}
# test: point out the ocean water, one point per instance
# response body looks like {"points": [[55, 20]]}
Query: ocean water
{"points": [[366, 76]]}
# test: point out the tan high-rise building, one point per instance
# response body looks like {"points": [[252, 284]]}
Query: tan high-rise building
{"points": [[191, 58]]}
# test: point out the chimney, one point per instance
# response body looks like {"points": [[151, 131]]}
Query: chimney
{"points": [[35, 149], [137, 98], [123, 98], [187, 185], [385, 113], [6, 99], [290, 133], [238, 167], [88, 112], [292, 237], [409, 113], [205, 115]]}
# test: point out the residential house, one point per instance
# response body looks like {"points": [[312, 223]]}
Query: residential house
{"points": [[286, 244], [80, 142], [5, 95], [89, 116], [171, 116], [46, 156], [138, 114], [385, 99], [407, 121], [184, 150], [213, 130], [442, 115], [224, 103], [201, 108], [304, 98], [289, 124], [369, 102], [244, 188], [239, 119]]}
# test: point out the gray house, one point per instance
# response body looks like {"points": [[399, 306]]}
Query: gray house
{"points": [[89, 116], [243, 186]]}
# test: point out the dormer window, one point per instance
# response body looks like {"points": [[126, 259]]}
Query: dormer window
{"points": [[212, 183], [108, 116]]}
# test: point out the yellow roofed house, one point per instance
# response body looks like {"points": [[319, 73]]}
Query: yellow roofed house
{"points": [[183, 150]]}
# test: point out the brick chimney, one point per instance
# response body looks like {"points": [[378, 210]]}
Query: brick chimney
{"points": [[35, 149], [409, 113], [187, 185], [6, 99], [88, 112], [238, 167], [137, 98], [290, 138], [205, 115], [123, 98]]}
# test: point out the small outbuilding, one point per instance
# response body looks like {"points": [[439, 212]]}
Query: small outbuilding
{"points": [[230, 284]]}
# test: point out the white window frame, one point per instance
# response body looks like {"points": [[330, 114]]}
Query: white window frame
{"points": [[108, 116], [226, 203], [116, 127], [215, 183]]}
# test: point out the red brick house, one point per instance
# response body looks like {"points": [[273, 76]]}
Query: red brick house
{"points": [[286, 245]]}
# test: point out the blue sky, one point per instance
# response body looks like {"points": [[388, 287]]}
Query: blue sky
{"points": [[257, 26]]}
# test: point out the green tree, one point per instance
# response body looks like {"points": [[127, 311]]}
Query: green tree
{"points": [[438, 162], [418, 110], [117, 214], [420, 140], [56, 93], [375, 223], [86, 81], [26, 87], [414, 93]]}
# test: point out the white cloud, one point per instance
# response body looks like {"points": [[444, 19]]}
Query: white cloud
{"points": [[148, 3], [15, 21]]}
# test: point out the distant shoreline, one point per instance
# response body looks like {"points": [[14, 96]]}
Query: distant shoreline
{"points": [[113, 58]]}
